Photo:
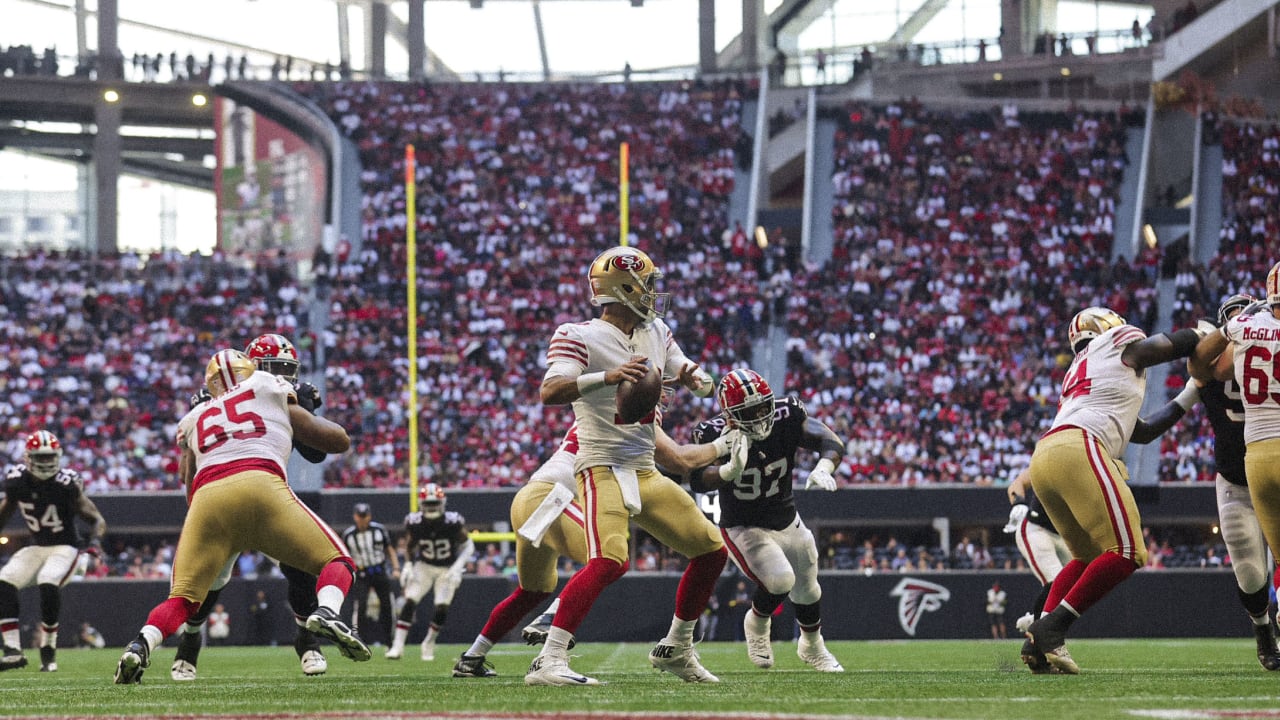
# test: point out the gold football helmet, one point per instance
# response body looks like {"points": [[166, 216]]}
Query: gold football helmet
{"points": [[627, 275], [225, 370], [1089, 323]]}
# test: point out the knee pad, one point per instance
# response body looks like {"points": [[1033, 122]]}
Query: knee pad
{"points": [[778, 581], [50, 603], [438, 617], [806, 592]]}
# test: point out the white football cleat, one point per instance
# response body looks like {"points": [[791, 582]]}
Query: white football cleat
{"points": [[428, 652], [681, 662], [816, 656], [182, 671], [759, 648], [313, 663], [555, 671], [395, 652]]}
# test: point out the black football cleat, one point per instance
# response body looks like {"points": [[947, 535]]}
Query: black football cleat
{"points": [[1268, 655], [135, 660], [473, 666], [12, 659]]}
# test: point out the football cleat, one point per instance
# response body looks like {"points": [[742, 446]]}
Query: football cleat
{"points": [[473, 666], [547, 670], [535, 633], [1052, 643], [428, 651], [1268, 655], [395, 652], [48, 659], [182, 671], [325, 623], [1035, 660], [759, 649], [681, 662], [314, 663], [136, 659], [816, 656], [12, 659]]}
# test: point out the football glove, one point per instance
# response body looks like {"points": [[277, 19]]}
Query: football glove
{"points": [[309, 397], [724, 444], [1017, 514], [821, 476], [200, 396], [738, 453]]}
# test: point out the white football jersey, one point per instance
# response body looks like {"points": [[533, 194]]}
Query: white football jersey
{"points": [[598, 346], [249, 421], [1257, 356], [1102, 395]]}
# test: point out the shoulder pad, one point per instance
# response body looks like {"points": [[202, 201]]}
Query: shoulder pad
{"points": [[413, 518], [15, 471], [794, 407], [67, 476], [708, 430], [454, 518]]}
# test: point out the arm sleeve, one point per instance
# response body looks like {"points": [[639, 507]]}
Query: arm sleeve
{"points": [[567, 355]]}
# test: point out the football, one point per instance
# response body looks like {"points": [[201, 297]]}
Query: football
{"points": [[638, 399]]}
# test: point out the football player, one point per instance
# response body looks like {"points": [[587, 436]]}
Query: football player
{"points": [[1241, 531], [1079, 476], [549, 525], [276, 355], [766, 537], [617, 478], [438, 549], [234, 450], [49, 497]]}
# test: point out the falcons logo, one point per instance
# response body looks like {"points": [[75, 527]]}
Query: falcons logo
{"points": [[915, 598]]}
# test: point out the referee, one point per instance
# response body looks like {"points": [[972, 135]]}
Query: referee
{"points": [[372, 549]]}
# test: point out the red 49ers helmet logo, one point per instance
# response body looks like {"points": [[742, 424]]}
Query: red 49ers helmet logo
{"points": [[628, 262]]}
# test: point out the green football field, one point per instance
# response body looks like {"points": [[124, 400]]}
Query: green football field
{"points": [[901, 679]]}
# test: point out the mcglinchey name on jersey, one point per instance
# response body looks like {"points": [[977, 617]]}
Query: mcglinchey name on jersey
{"points": [[1261, 334]]}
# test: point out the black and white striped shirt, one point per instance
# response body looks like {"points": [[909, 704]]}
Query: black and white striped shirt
{"points": [[368, 547]]}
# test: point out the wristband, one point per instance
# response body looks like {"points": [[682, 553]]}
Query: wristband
{"points": [[727, 472], [590, 382], [1188, 397]]}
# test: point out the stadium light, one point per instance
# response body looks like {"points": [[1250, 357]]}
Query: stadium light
{"points": [[1066, 72], [111, 96], [1149, 235], [199, 100], [997, 76]]}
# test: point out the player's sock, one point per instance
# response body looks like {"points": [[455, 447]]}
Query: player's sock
{"points": [[402, 634], [9, 630], [760, 624], [48, 635], [333, 584], [582, 590], [809, 618], [9, 615], [480, 647], [152, 635], [681, 632], [169, 615], [508, 613], [1038, 608], [698, 582], [1062, 584], [433, 632], [557, 644], [1257, 604], [1104, 573]]}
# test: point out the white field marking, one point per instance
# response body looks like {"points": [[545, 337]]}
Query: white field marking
{"points": [[595, 715], [614, 663], [1179, 714]]}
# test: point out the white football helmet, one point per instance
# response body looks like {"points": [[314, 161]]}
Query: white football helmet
{"points": [[627, 275], [226, 369], [431, 500], [1089, 323], [1233, 305], [43, 454]]}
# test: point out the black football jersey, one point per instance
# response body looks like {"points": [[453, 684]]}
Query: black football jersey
{"points": [[1225, 409], [48, 507], [435, 541], [761, 496]]}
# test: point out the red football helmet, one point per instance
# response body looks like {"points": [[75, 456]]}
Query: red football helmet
{"points": [[43, 454], [431, 500], [274, 354], [747, 400]]}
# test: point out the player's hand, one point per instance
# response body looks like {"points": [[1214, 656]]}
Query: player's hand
{"points": [[632, 370], [1016, 515], [309, 397], [200, 396], [738, 453], [724, 444], [822, 478], [696, 379], [94, 548]]}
